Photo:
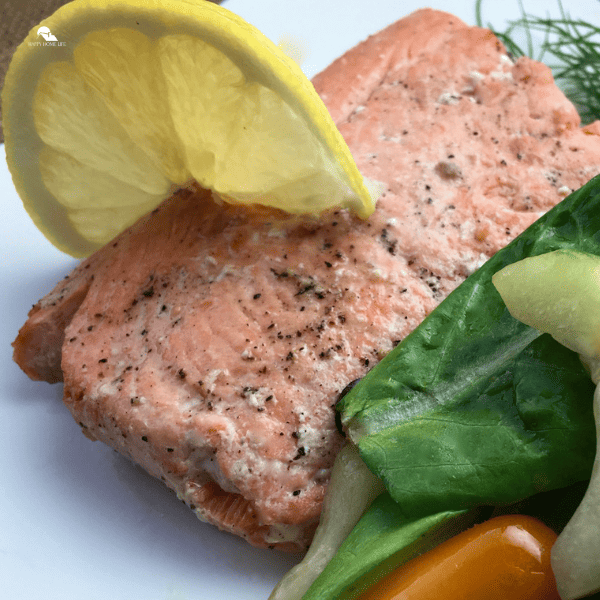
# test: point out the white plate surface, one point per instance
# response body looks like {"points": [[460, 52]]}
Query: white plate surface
{"points": [[77, 521]]}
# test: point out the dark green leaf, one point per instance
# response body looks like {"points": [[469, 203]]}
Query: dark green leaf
{"points": [[475, 407], [380, 541]]}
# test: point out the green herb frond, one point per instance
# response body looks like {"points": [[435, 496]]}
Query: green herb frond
{"points": [[570, 47]]}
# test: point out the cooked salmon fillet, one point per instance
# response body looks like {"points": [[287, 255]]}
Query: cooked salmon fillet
{"points": [[209, 343]]}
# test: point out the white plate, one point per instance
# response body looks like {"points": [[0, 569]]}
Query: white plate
{"points": [[77, 521]]}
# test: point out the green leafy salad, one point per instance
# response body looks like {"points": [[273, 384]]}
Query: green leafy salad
{"points": [[475, 413]]}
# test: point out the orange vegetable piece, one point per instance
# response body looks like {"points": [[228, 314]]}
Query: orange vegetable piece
{"points": [[504, 558]]}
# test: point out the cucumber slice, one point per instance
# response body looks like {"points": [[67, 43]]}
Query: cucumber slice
{"points": [[557, 293]]}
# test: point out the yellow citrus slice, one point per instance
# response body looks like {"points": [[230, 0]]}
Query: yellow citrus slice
{"points": [[117, 103]]}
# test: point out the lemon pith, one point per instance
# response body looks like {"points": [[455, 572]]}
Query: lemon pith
{"points": [[139, 97]]}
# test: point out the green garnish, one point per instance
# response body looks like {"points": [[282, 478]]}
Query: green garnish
{"points": [[473, 407], [570, 47]]}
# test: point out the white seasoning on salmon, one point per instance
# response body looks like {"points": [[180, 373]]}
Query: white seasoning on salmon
{"points": [[209, 343]]}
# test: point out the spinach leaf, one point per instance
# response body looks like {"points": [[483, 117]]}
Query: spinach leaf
{"points": [[382, 539], [474, 407]]}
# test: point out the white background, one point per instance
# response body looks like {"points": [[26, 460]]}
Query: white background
{"points": [[77, 521]]}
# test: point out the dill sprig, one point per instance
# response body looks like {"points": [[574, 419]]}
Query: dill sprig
{"points": [[570, 47]]}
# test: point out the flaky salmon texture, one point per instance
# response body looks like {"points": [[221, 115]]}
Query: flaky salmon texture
{"points": [[209, 343]]}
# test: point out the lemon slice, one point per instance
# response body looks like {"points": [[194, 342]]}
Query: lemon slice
{"points": [[121, 102]]}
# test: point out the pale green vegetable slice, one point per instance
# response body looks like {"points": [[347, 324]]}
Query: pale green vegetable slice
{"points": [[351, 491], [559, 293], [576, 552]]}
